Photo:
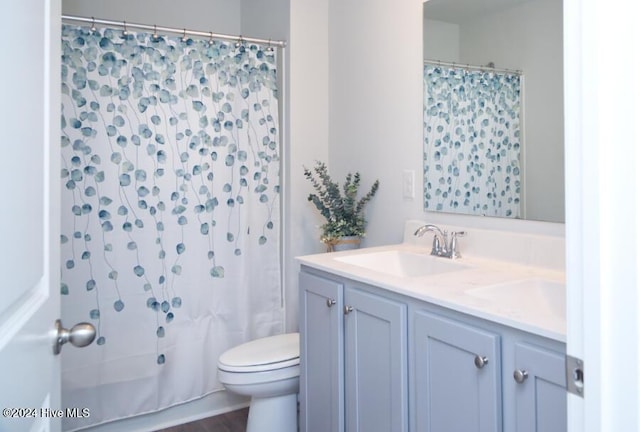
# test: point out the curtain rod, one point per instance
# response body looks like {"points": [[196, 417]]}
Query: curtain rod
{"points": [[155, 28], [472, 67]]}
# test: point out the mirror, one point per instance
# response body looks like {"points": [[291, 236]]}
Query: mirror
{"points": [[499, 36]]}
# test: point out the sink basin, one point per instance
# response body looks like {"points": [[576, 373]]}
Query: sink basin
{"points": [[536, 293], [402, 264]]}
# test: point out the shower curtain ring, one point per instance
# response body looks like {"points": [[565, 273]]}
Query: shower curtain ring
{"points": [[269, 47], [210, 38], [155, 32], [93, 28], [125, 32], [184, 35], [239, 42]]}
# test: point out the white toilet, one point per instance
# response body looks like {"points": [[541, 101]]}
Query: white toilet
{"points": [[268, 370]]}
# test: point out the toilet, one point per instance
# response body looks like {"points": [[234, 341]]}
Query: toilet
{"points": [[267, 370]]}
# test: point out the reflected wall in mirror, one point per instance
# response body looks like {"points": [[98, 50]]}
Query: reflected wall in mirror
{"points": [[515, 35]]}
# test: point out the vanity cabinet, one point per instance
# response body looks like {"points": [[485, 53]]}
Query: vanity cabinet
{"points": [[373, 360], [353, 358], [457, 376]]}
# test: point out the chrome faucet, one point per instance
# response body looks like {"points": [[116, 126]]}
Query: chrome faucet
{"points": [[441, 246]]}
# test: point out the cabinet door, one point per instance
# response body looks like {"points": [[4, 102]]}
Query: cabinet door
{"points": [[321, 355], [457, 371], [541, 397], [375, 363]]}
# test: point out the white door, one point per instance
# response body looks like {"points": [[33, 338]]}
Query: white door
{"points": [[29, 225], [602, 157]]}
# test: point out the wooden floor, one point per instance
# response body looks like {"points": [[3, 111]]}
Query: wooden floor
{"points": [[234, 421]]}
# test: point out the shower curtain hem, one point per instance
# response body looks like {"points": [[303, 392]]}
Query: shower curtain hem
{"points": [[151, 412]]}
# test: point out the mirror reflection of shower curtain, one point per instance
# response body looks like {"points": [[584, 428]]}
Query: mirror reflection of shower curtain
{"points": [[170, 214], [472, 141]]}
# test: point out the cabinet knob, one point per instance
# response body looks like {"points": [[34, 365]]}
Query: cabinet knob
{"points": [[348, 309], [330, 302], [480, 361], [520, 375]]}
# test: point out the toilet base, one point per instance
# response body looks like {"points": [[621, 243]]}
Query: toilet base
{"points": [[273, 414]]}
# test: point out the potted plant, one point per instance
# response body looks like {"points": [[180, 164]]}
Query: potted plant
{"points": [[341, 207]]}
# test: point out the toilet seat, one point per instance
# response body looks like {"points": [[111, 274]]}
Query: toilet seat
{"points": [[260, 355]]}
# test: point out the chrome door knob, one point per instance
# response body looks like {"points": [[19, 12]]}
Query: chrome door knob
{"points": [[348, 310], [480, 361], [80, 335], [330, 302], [520, 375]]}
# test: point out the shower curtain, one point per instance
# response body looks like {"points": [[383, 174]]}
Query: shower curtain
{"points": [[472, 142], [170, 214]]}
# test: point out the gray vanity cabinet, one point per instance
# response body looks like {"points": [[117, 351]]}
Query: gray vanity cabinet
{"points": [[353, 358], [540, 389], [362, 346], [457, 376]]}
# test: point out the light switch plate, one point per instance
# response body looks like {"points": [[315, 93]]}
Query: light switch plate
{"points": [[408, 184]]}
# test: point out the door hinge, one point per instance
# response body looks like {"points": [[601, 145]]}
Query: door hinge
{"points": [[574, 368]]}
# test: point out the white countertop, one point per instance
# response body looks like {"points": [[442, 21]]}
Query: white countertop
{"points": [[450, 289]]}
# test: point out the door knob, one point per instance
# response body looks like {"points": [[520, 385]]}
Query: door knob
{"points": [[330, 302], [80, 335], [348, 310]]}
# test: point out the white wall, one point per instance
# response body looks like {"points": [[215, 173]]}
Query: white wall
{"points": [[218, 16], [529, 37], [441, 41], [266, 19], [375, 99], [308, 135]]}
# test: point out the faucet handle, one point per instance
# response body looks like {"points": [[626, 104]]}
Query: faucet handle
{"points": [[435, 246], [444, 250], [441, 249], [453, 249]]}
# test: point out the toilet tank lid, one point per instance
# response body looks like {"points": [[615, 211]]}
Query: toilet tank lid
{"points": [[267, 350]]}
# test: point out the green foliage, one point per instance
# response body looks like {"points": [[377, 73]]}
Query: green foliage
{"points": [[344, 213]]}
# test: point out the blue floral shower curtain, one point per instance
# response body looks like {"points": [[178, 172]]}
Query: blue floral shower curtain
{"points": [[472, 142], [170, 214]]}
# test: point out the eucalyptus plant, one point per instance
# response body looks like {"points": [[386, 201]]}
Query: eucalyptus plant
{"points": [[340, 206]]}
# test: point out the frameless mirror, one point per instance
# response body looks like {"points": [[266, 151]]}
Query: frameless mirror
{"points": [[493, 108]]}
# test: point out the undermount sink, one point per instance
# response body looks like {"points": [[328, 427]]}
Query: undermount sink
{"points": [[402, 264], [537, 293]]}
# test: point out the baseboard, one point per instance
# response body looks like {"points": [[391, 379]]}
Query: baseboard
{"points": [[207, 406]]}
